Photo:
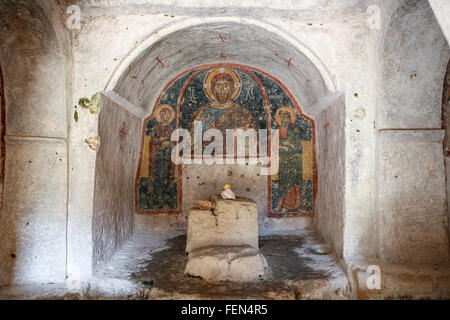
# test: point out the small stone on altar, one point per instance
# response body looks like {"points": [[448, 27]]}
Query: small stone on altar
{"points": [[204, 205]]}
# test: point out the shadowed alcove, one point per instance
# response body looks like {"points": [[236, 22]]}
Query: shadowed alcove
{"points": [[172, 72]]}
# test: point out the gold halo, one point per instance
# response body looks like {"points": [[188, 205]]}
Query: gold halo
{"points": [[213, 73], [285, 108], [162, 107]]}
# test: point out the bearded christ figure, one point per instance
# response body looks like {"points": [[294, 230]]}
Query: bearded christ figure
{"points": [[222, 86]]}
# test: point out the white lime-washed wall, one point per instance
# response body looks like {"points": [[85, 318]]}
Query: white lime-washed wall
{"points": [[34, 214], [412, 210], [329, 211]]}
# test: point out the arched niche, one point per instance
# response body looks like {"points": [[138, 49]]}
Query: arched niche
{"points": [[410, 139], [33, 222], [135, 91]]}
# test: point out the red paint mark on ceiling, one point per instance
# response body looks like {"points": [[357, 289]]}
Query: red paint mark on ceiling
{"points": [[222, 38], [159, 60], [288, 61]]}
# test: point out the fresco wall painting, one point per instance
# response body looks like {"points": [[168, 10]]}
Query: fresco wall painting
{"points": [[227, 96]]}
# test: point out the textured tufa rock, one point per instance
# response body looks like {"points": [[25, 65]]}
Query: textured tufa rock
{"points": [[237, 263]]}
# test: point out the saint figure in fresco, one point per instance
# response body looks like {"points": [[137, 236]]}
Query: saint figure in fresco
{"points": [[289, 176], [222, 86], [161, 168]]}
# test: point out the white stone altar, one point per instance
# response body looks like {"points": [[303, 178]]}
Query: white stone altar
{"points": [[222, 243]]}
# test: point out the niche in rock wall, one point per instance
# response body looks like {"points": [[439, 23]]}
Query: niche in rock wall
{"points": [[223, 97]]}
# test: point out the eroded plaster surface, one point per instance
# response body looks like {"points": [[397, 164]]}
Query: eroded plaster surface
{"points": [[113, 218], [413, 226], [33, 221], [411, 84], [330, 214]]}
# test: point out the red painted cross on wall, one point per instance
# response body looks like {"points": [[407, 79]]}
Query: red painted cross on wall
{"points": [[123, 133], [326, 126]]}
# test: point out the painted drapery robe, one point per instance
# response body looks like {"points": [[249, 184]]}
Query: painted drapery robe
{"points": [[231, 117]]}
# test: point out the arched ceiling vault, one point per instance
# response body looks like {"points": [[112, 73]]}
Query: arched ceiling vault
{"points": [[142, 80]]}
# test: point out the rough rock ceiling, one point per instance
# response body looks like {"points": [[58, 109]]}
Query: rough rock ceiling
{"points": [[246, 44]]}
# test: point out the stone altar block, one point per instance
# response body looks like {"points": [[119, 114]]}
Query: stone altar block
{"points": [[231, 223], [223, 243]]}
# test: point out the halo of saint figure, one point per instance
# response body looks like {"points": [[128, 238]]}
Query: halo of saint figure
{"points": [[224, 97]]}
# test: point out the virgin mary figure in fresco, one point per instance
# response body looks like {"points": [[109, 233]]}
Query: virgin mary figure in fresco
{"points": [[289, 176], [222, 86]]}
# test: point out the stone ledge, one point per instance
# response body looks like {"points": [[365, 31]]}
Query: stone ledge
{"points": [[400, 281]]}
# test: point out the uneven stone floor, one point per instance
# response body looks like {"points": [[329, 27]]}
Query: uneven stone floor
{"points": [[294, 275], [152, 267]]}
